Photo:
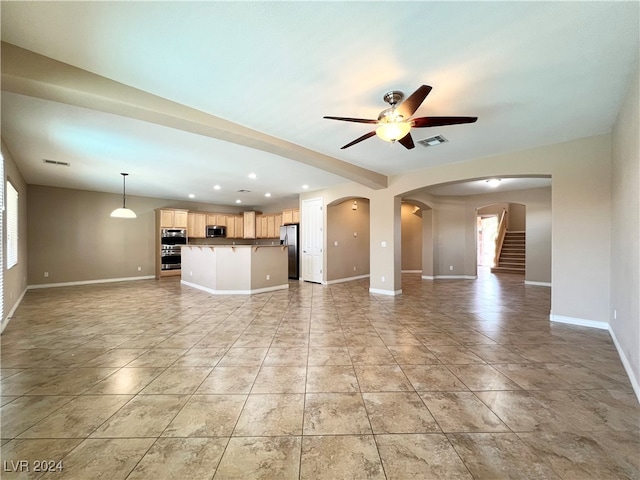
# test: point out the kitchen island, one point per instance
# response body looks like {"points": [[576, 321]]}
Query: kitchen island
{"points": [[235, 269]]}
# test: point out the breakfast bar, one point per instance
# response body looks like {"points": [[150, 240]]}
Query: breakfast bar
{"points": [[235, 269]]}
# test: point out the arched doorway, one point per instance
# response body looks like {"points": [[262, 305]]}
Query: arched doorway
{"points": [[348, 240], [501, 237]]}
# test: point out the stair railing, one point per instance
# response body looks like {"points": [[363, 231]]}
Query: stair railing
{"points": [[502, 231]]}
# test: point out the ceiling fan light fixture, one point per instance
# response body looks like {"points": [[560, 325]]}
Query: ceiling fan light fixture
{"points": [[393, 131], [124, 212]]}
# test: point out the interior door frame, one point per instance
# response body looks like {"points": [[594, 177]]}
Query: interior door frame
{"points": [[312, 240]]}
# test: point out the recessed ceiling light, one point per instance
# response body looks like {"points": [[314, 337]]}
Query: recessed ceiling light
{"points": [[191, 195], [267, 194], [493, 182], [305, 186], [253, 175], [216, 187], [238, 201]]}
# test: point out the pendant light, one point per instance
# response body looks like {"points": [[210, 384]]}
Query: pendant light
{"points": [[123, 212]]}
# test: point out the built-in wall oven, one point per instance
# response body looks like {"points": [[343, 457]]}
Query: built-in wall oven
{"points": [[171, 252]]}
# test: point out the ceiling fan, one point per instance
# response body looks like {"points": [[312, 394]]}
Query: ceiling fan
{"points": [[394, 123]]}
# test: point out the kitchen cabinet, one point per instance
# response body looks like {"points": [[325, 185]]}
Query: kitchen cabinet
{"points": [[249, 225], [196, 225], [268, 226], [239, 221], [259, 233], [271, 226], [263, 226], [290, 216], [231, 226], [172, 218], [218, 219], [168, 218]]}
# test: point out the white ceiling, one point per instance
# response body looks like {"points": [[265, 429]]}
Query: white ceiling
{"points": [[534, 73]]}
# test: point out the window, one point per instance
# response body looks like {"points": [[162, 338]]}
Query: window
{"points": [[12, 225]]}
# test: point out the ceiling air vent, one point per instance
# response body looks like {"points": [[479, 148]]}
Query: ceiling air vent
{"points": [[432, 141], [244, 191], [56, 162]]}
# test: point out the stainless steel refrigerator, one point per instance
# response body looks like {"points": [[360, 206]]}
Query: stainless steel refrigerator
{"points": [[289, 236]]}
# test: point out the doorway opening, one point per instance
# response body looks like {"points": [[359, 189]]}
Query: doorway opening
{"points": [[487, 232]]}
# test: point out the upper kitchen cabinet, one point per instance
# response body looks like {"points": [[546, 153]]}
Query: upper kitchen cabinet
{"points": [[249, 224], [219, 219], [271, 226], [196, 225], [239, 221], [291, 216], [173, 218]]}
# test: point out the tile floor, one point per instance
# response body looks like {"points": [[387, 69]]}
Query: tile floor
{"points": [[453, 379]]}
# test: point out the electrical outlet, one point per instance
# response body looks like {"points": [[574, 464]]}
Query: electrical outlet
{"points": [[335, 244], [383, 244], [139, 268], [46, 274], [383, 279], [354, 269], [450, 267], [268, 277], [355, 234]]}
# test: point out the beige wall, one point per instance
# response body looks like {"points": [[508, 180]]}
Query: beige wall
{"points": [[517, 217], [428, 254], [15, 279], [625, 232], [411, 238], [450, 241], [72, 237], [351, 251]]}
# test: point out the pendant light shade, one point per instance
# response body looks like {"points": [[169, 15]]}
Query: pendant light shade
{"points": [[124, 212]]}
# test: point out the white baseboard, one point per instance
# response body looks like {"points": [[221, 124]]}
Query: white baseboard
{"points": [[89, 282], [626, 364], [540, 284], [385, 292], [456, 277], [234, 292], [411, 271], [346, 279], [449, 277], [604, 326], [7, 319], [579, 321]]}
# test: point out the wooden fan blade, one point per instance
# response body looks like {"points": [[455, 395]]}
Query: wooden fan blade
{"points": [[407, 141], [359, 139], [357, 120], [413, 102], [439, 121]]}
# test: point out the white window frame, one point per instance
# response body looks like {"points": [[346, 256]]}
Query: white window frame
{"points": [[12, 225]]}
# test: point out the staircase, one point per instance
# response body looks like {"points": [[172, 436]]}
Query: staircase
{"points": [[512, 254]]}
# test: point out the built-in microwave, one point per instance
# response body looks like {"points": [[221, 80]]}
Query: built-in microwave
{"points": [[216, 231]]}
